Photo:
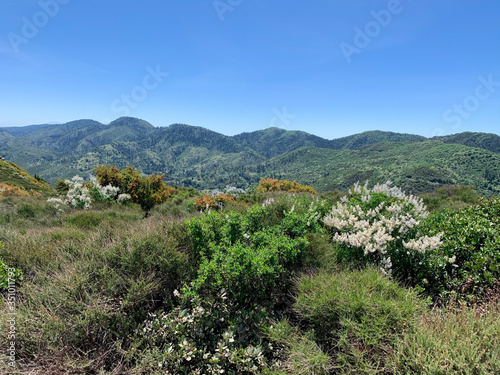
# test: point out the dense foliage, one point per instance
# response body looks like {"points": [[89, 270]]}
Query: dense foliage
{"points": [[147, 191], [467, 264]]}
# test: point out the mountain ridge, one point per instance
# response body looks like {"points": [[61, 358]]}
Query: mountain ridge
{"points": [[199, 157]]}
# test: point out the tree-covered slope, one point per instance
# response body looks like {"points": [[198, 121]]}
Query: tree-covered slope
{"points": [[486, 141], [198, 157], [275, 141], [415, 167], [368, 138]]}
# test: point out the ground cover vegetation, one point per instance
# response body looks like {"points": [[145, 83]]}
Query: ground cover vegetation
{"points": [[278, 279]]}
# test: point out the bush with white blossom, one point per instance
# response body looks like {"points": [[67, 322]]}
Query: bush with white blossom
{"points": [[78, 195], [107, 194], [81, 194], [380, 226]]}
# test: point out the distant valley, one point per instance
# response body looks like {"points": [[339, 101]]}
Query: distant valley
{"points": [[204, 159]]}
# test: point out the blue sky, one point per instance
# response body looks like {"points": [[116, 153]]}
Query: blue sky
{"points": [[328, 67]]}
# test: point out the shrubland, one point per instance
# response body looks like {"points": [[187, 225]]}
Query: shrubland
{"points": [[275, 281]]}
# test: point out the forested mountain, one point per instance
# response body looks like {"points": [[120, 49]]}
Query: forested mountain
{"points": [[487, 141], [198, 157], [368, 138], [275, 141]]}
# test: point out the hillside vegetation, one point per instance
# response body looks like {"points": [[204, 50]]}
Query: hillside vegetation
{"points": [[278, 280], [196, 157], [16, 181]]}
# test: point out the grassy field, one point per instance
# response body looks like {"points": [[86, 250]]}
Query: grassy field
{"points": [[261, 285]]}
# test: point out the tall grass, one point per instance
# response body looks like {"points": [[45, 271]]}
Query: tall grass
{"points": [[90, 279], [456, 340]]}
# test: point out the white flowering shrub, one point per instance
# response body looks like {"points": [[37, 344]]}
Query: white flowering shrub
{"points": [[78, 195], [81, 194], [107, 194], [123, 198], [57, 203], [381, 226]]}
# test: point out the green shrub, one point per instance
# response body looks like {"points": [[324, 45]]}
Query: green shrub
{"points": [[249, 271], [357, 315], [237, 252], [468, 262]]}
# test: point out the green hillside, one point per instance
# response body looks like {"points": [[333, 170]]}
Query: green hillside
{"points": [[415, 167], [486, 141], [353, 142], [201, 158], [16, 181], [275, 141]]}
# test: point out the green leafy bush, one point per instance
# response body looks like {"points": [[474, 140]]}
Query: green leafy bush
{"points": [[248, 270], [237, 253], [468, 262]]}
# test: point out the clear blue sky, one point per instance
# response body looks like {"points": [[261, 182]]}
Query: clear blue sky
{"points": [[331, 68]]}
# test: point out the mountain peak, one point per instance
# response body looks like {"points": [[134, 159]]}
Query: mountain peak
{"points": [[131, 122]]}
